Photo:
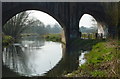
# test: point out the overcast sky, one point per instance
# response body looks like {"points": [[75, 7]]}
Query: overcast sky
{"points": [[43, 17], [86, 19]]}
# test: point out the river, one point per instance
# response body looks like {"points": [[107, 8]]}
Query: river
{"points": [[34, 56]]}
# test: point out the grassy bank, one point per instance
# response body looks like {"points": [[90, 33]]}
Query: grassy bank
{"points": [[53, 37], [102, 61], [84, 44]]}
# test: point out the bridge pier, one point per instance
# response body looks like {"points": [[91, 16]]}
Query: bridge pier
{"points": [[71, 22], [118, 31], [112, 31]]}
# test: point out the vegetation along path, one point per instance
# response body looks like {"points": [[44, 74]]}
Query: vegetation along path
{"points": [[102, 61]]}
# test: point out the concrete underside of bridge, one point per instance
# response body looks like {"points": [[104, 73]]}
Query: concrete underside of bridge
{"points": [[68, 14]]}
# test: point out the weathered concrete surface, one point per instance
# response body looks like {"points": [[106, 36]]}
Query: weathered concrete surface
{"points": [[67, 14], [63, 37]]}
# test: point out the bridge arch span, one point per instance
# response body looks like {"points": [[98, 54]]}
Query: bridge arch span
{"points": [[67, 14], [14, 12]]}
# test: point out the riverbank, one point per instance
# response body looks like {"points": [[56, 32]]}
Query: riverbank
{"points": [[84, 44], [53, 37], [7, 40], [102, 61]]}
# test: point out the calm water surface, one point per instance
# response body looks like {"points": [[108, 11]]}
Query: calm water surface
{"points": [[33, 56]]}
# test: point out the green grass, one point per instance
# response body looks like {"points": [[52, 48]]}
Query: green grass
{"points": [[98, 54], [101, 61], [84, 44], [98, 73], [53, 37]]}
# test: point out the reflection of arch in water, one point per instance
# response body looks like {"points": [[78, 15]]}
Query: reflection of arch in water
{"points": [[28, 57], [12, 57], [18, 51], [68, 63], [15, 60]]}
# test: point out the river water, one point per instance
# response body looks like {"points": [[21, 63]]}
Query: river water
{"points": [[34, 56]]}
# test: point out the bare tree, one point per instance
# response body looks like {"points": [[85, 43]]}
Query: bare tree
{"points": [[17, 24]]}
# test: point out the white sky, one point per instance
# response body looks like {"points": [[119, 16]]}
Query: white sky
{"points": [[43, 17], [86, 19]]}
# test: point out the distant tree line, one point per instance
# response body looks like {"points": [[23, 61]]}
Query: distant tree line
{"points": [[39, 28], [88, 30]]}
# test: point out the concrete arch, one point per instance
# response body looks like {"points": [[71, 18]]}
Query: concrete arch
{"points": [[44, 7], [67, 14], [13, 12], [56, 18], [97, 11], [102, 27]]}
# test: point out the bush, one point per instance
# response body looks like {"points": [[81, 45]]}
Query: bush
{"points": [[7, 40]]}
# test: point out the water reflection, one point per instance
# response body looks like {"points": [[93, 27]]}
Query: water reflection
{"points": [[32, 41], [32, 57], [68, 63], [82, 59]]}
